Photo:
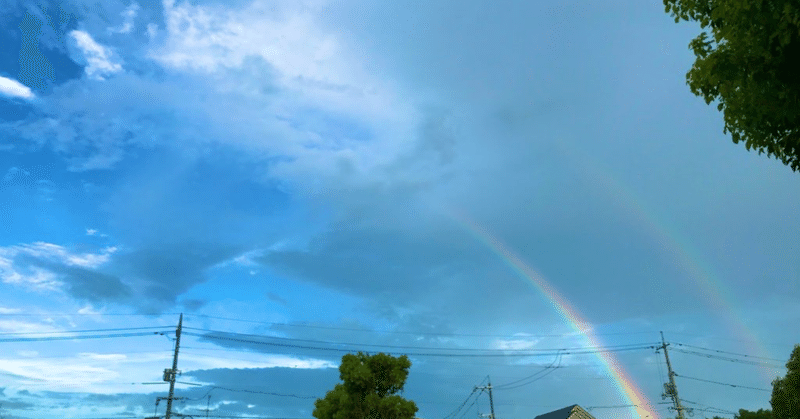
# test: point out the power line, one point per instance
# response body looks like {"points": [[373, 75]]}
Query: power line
{"points": [[78, 337], [245, 417], [221, 333], [544, 372], [458, 409], [352, 329], [622, 406], [268, 393], [87, 330], [18, 358], [87, 314], [566, 351], [720, 383], [725, 358], [710, 408], [712, 337], [729, 353], [470, 406]]}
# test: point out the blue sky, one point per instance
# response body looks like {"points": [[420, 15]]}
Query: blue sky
{"points": [[295, 170]]}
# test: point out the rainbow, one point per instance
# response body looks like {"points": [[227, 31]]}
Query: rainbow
{"points": [[642, 407], [702, 274]]}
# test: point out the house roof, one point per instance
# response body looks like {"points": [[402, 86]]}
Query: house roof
{"points": [[569, 412]]}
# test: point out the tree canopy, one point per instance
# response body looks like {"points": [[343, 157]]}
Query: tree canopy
{"points": [[748, 59], [786, 391], [760, 414], [747, 414], [369, 388]]}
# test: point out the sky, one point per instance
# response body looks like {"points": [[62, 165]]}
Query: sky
{"points": [[517, 192]]}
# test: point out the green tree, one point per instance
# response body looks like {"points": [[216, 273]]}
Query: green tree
{"points": [[747, 414], [748, 59], [760, 414], [786, 391], [368, 390]]}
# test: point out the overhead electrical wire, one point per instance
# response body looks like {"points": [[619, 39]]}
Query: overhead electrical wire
{"points": [[77, 337], [566, 351], [622, 406], [728, 353], [712, 337], [709, 408], [240, 390], [464, 403], [119, 329], [219, 334], [222, 332], [470, 406], [720, 383], [533, 377], [203, 415], [725, 358], [439, 352], [88, 314], [474, 390], [354, 329]]}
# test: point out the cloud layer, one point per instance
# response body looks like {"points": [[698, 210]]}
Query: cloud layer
{"points": [[14, 89]]}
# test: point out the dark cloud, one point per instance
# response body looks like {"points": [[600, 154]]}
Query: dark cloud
{"points": [[92, 286], [81, 283], [277, 298], [193, 305], [161, 274]]}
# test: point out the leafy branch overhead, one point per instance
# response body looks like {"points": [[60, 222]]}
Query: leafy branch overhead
{"points": [[748, 60]]}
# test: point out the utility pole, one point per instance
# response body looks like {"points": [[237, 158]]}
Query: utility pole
{"points": [[170, 375], [208, 405], [491, 402], [670, 389]]}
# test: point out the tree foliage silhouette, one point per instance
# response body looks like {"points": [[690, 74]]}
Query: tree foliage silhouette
{"points": [[369, 388], [748, 59], [786, 391], [747, 414]]}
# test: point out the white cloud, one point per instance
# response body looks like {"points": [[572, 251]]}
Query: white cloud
{"points": [[33, 277], [89, 310], [14, 272], [17, 326], [516, 344], [54, 252], [242, 361], [13, 88], [99, 59], [6, 310], [85, 372], [128, 16], [103, 373], [321, 85], [103, 357], [91, 232], [152, 30]]}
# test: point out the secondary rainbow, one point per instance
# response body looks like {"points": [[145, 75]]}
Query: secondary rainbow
{"points": [[702, 274], [642, 407]]}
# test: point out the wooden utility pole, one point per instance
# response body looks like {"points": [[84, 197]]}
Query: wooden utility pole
{"points": [[171, 374], [670, 389], [491, 402]]}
